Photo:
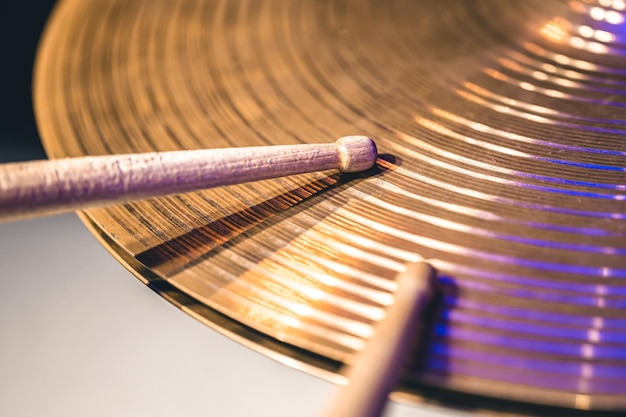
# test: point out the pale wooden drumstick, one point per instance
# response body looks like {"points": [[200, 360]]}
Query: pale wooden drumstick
{"points": [[40, 188], [377, 368]]}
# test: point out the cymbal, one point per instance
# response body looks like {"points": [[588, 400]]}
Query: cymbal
{"points": [[500, 128]]}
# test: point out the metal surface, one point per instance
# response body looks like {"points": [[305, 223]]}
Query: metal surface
{"points": [[501, 125]]}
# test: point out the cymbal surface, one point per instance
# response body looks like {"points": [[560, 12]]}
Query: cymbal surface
{"points": [[501, 130]]}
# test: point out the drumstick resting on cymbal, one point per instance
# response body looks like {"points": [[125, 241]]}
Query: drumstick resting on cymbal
{"points": [[40, 188], [377, 369]]}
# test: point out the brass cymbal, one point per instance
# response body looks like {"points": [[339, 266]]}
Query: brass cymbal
{"points": [[501, 132]]}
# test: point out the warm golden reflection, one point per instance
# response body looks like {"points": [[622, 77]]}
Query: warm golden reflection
{"points": [[556, 30]]}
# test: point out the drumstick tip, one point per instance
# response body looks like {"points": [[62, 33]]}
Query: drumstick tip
{"points": [[356, 153]]}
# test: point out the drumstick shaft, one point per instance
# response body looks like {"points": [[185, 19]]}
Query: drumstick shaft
{"points": [[39, 188], [377, 369]]}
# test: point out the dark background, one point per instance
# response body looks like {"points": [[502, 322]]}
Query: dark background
{"points": [[21, 25]]}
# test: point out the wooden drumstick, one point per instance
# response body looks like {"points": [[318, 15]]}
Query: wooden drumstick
{"points": [[377, 368], [40, 188]]}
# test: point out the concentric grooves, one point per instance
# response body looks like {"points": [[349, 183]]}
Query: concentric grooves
{"points": [[502, 132]]}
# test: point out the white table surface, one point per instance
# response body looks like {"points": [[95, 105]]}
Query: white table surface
{"points": [[80, 336]]}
